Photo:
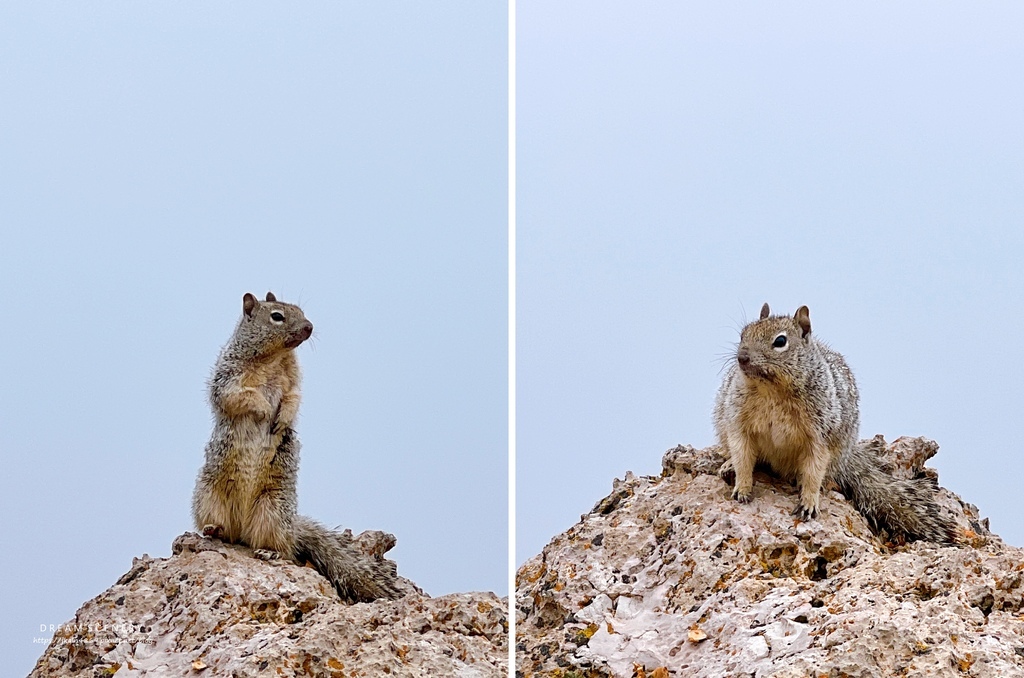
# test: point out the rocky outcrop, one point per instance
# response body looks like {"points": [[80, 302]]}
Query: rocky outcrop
{"points": [[214, 610], [667, 576]]}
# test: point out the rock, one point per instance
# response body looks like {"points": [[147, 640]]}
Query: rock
{"points": [[668, 574], [212, 609]]}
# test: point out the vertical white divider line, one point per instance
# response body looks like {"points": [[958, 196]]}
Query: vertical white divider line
{"points": [[511, 337]]}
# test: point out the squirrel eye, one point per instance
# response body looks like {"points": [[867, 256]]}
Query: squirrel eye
{"points": [[277, 316], [780, 341]]}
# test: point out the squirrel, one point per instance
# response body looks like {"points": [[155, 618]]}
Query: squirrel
{"points": [[790, 401], [245, 491]]}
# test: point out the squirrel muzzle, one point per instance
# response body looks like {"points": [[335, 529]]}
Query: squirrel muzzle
{"points": [[299, 335], [749, 368]]}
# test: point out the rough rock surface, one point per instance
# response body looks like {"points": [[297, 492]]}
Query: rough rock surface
{"points": [[667, 576], [214, 610]]}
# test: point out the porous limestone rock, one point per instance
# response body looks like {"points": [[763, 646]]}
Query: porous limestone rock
{"points": [[667, 576], [214, 610]]}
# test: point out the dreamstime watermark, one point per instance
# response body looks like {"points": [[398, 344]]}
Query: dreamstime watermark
{"points": [[97, 632]]}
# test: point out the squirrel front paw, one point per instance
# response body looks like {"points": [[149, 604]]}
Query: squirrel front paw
{"points": [[742, 497], [266, 554], [248, 402], [806, 511]]}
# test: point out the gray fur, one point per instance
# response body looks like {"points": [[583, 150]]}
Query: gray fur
{"points": [[355, 576], [245, 492]]}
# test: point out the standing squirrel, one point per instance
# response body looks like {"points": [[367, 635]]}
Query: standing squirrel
{"points": [[245, 492], [790, 401]]}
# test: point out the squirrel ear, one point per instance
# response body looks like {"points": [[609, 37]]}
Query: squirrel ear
{"points": [[765, 311], [271, 297], [803, 319], [249, 304]]}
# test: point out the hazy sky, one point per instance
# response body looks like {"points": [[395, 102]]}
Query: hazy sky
{"points": [[679, 164], [159, 161]]}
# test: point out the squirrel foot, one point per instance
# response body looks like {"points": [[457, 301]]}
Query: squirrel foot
{"points": [[727, 472], [807, 504], [213, 531], [742, 497], [266, 554], [805, 513]]}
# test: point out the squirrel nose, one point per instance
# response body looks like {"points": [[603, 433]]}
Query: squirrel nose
{"points": [[743, 356], [307, 329]]}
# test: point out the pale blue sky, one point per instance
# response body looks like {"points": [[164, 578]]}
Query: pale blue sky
{"points": [[679, 164], [159, 161]]}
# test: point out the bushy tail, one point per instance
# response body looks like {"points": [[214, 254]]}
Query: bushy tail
{"points": [[357, 577], [898, 505]]}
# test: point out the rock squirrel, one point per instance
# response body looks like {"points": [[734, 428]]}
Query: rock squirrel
{"points": [[245, 491], [791, 401]]}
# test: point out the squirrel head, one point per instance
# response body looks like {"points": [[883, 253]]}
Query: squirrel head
{"points": [[270, 326], [771, 347]]}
